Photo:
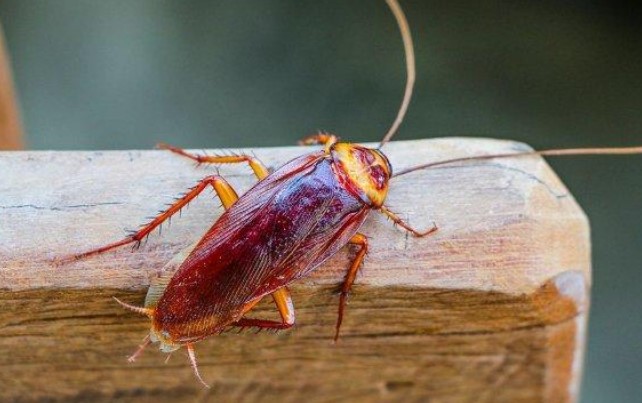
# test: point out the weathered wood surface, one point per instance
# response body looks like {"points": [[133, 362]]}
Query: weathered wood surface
{"points": [[491, 308], [10, 125]]}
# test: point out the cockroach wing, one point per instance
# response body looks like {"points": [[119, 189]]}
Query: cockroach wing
{"points": [[160, 280], [280, 230]]}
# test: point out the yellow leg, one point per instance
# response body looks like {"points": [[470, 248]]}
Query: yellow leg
{"points": [[361, 241], [405, 226], [259, 169], [326, 139], [283, 302], [225, 192]]}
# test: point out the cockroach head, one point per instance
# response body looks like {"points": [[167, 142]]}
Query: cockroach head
{"points": [[367, 171], [167, 345]]}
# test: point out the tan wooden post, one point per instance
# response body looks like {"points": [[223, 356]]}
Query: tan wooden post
{"points": [[491, 308]]}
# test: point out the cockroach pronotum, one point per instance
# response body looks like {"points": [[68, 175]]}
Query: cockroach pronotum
{"points": [[280, 230]]}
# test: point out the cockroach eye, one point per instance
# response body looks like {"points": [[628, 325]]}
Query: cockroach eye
{"points": [[378, 176], [383, 157]]}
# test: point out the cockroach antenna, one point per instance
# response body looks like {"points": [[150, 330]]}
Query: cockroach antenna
{"points": [[544, 153], [402, 22], [404, 28]]}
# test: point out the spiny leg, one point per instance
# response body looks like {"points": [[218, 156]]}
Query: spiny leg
{"points": [[283, 301], [398, 221], [223, 189], [226, 193], [326, 139], [192, 360], [259, 169], [146, 342], [362, 242]]}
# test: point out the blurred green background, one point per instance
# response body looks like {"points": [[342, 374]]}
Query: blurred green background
{"points": [[205, 74]]}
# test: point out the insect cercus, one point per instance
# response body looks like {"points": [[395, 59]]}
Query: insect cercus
{"points": [[280, 230]]}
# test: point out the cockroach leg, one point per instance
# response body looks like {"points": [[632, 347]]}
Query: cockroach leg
{"points": [[225, 192], [284, 304], [257, 166], [361, 241], [283, 301], [398, 221], [146, 342], [223, 189], [326, 139], [192, 360]]}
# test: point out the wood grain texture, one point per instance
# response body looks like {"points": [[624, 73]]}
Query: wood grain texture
{"points": [[491, 308], [10, 125]]}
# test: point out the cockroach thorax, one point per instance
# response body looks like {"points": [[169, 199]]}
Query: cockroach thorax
{"points": [[367, 169]]}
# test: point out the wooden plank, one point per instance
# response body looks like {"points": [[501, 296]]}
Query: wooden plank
{"points": [[491, 308], [10, 125]]}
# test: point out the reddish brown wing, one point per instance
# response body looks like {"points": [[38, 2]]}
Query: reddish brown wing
{"points": [[280, 230]]}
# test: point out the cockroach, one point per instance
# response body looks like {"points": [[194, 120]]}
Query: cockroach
{"points": [[281, 230]]}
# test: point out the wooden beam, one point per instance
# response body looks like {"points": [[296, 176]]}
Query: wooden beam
{"points": [[10, 125], [491, 308]]}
